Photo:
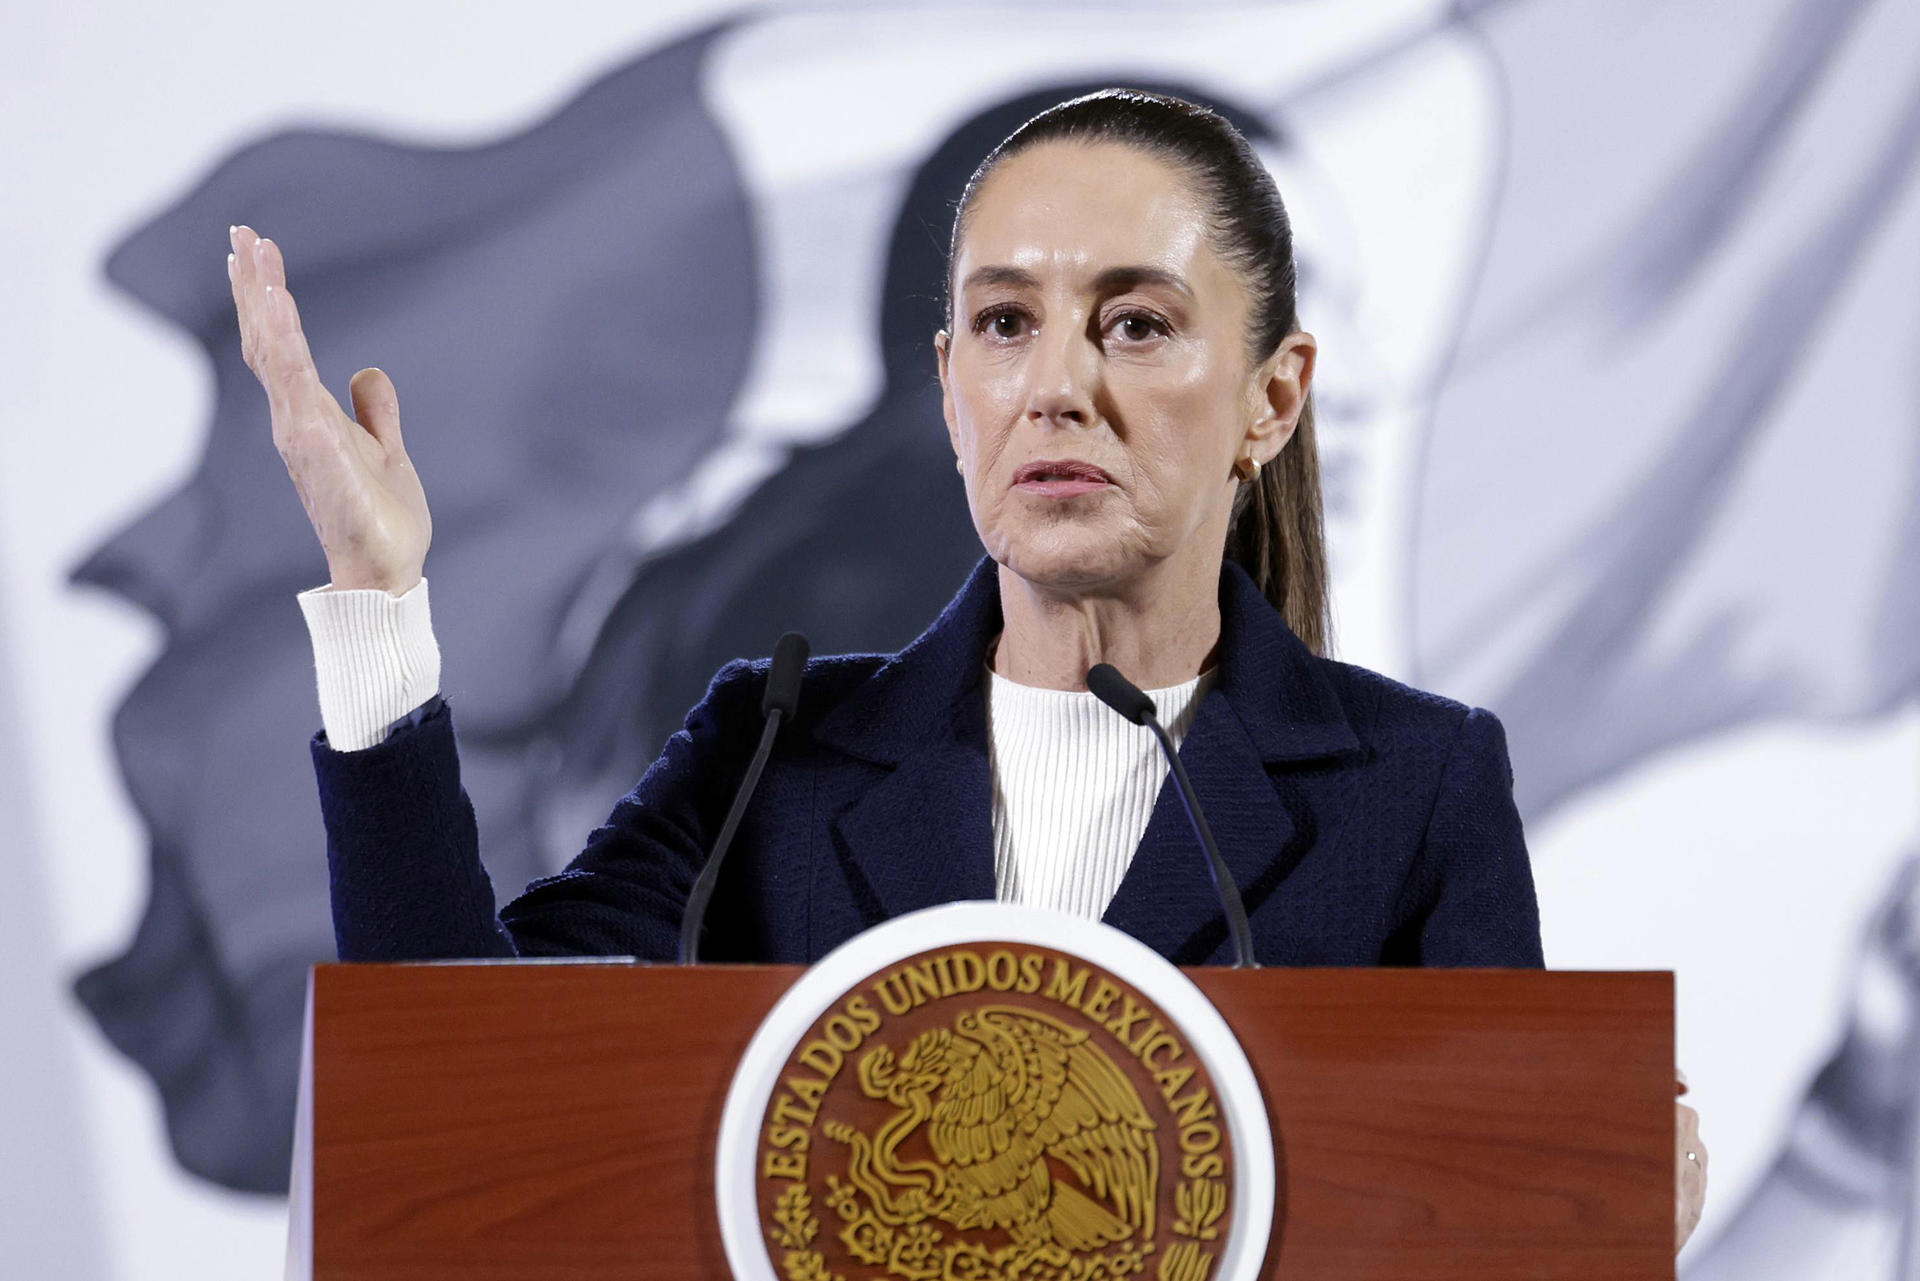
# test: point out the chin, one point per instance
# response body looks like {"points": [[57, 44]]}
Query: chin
{"points": [[1069, 557]]}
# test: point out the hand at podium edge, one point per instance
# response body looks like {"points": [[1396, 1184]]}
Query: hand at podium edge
{"points": [[1689, 1167]]}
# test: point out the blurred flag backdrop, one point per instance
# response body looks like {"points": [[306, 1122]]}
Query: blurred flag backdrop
{"points": [[1620, 424]]}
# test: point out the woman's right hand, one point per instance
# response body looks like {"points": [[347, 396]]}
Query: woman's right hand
{"points": [[353, 474]]}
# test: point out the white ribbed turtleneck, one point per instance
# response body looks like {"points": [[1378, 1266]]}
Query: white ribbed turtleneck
{"points": [[1074, 784]]}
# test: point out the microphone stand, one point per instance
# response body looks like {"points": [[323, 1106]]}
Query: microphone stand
{"points": [[781, 698], [1128, 699]]}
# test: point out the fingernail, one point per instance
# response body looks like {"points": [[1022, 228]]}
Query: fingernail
{"points": [[229, 266]]}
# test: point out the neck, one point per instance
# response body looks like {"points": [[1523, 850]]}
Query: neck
{"points": [[1159, 630]]}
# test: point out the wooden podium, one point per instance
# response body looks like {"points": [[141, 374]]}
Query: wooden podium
{"points": [[558, 1121]]}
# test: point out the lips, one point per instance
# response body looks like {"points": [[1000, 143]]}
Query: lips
{"points": [[1060, 478]]}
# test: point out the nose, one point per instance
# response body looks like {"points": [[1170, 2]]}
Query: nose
{"points": [[1062, 371]]}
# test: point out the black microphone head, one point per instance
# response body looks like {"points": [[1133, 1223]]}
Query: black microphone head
{"points": [[783, 676], [1119, 693]]}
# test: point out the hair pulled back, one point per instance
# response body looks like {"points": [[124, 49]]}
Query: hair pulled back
{"points": [[1277, 532]]}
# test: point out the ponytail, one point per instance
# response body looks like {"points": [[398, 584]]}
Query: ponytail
{"points": [[1278, 536]]}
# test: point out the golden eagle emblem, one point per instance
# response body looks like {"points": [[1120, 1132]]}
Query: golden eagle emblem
{"points": [[993, 1114], [1009, 1098]]}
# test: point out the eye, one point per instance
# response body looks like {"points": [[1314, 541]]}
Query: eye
{"points": [[1000, 322], [1139, 326]]}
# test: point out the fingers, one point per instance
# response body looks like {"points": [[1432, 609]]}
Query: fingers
{"points": [[1686, 1133], [289, 363], [376, 406], [239, 303], [1690, 1173], [1689, 1120], [271, 337], [244, 275]]}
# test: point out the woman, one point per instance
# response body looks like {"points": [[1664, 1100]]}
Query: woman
{"points": [[1127, 393]]}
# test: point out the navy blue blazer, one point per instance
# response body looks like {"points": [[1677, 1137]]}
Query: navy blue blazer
{"points": [[1367, 823]]}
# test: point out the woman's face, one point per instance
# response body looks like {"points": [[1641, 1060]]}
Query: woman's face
{"points": [[1096, 383]]}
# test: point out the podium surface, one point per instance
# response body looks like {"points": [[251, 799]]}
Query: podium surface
{"points": [[504, 1121]]}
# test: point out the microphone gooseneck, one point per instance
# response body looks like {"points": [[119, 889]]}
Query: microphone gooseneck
{"points": [[1128, 699], [777, 705]]}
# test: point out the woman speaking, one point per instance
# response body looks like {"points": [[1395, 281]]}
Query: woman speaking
{"points": [[1126, 389]]}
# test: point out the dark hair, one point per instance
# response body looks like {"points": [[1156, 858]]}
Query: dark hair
{"points": [[1277, 532]]}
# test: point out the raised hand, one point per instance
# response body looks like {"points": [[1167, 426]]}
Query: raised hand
{"points": [[352, 474]]}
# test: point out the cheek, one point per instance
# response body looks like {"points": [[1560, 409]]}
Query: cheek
{"points": [[1179, 438], [981, 425], [986, 404]]}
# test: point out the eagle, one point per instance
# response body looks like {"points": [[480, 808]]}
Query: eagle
{"points": [[1007, 1095]]}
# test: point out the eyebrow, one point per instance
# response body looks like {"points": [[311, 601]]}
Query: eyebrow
{"points": [[1112, 280], [1120, 279]]}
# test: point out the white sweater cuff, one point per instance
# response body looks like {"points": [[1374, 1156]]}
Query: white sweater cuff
{"points": [[374, 657]]}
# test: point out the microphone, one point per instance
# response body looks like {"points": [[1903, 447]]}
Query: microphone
{"points": [[777, 704], [1128, 699]]}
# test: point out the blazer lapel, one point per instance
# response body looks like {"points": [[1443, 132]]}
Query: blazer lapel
{"points": [[923, 834], [1167, 899], [1270, 705]]}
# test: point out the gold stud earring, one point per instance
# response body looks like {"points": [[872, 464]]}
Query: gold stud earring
{"points": [[1247, 467]]}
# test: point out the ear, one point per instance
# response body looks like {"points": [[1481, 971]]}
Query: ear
{"points": [[943, 351], [1279, 390]]}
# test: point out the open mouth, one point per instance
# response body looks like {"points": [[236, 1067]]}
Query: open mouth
{"points": [[1060, 478]]}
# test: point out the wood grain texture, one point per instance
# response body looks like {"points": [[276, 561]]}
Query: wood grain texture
{"points": [[500, 1122]]}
